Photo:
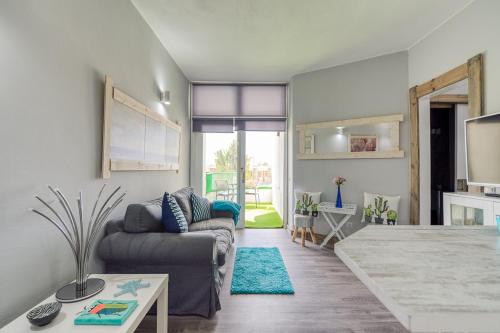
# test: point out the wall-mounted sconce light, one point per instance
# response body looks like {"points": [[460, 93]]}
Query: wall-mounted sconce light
{"points": [[340, 130], [165, 97]]}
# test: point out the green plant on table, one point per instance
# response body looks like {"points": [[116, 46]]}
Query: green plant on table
{"points": [[298, 206], [392, 216], [368, 212], [380, 206]]}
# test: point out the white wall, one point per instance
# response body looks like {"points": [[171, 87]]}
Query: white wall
{"points": [[54, 55], [372, 87], [475, 30]]}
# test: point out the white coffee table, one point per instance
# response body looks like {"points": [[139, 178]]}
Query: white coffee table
{"points": [[158, 291]]}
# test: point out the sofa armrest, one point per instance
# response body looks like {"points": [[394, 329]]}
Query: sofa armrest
{"points": [[221, 213], [183, 249]]}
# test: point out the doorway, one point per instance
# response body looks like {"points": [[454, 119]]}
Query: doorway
{"points": [[247, 167], [264, 177], [442, 148]]}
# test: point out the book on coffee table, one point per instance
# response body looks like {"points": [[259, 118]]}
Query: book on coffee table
{"points": [[106, 312]]}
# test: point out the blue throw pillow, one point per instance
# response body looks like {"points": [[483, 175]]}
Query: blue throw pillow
{"points": [[201, 208], [172, 217]]}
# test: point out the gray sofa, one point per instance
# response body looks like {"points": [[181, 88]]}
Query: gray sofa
{"points": [[195, 260]]}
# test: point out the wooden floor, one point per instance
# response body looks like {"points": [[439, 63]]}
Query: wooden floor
{"points": [[328, 297]]}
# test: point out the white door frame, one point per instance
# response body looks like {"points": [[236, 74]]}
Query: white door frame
{"points": [[240, 175]]}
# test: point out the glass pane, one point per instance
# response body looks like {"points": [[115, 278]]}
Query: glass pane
{"points": [[264, 164], [461, 215], [220, 166]]}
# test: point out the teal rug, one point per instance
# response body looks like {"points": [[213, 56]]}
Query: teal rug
{"points": [[260, 270]]}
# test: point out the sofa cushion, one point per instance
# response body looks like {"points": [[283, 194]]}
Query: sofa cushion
{"points": [[144, 217], [223, 239], [222, 223], [183, 197], [201, 208], [172, 217]]}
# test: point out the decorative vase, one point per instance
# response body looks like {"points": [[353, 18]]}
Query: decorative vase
{"points": [[314, 213], [338, 204], [81, 240], [305, 212]]}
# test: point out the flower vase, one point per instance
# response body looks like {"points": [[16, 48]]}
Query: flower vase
{"points": [[338, 204]]}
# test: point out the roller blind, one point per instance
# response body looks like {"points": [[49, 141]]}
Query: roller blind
{"points": [[252, 107]]}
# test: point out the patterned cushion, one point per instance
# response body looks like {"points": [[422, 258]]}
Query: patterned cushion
{"points": [[183, 198], [172, 217], [379, 204], [201, 208]]}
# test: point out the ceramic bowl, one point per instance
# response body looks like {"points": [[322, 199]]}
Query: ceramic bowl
{"points": [[44, 314]]}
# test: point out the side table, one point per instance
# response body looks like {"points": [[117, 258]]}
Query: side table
{"points": [[63, 323], [327, 209]]}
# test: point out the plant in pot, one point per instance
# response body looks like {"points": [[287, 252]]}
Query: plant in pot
{"points": [[380, 208], [298, 207], [306, 203], [314, 211], [392, 216], [368, 212]]}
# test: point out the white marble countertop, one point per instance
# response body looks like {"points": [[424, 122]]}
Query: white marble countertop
{"points": [[432, 278]]}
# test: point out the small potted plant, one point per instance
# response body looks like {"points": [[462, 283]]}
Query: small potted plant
{"points": [[392, 216], [380, 208], [298, 207], [306, 203], [368, 212], [314, 211], [338, 180]]}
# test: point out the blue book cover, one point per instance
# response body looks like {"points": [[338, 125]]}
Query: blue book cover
{"points": [[106, 312]]}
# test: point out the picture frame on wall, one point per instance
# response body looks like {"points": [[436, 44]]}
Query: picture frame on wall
{"points": [[362, 143]]}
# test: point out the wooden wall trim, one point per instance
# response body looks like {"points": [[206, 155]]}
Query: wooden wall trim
{"points": [[414, 158], [106, 125], [452, 76], [473, 71], [475, 76], [450, 98]]}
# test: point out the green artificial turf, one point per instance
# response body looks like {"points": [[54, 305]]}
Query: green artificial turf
{"points": [[262, 217]]}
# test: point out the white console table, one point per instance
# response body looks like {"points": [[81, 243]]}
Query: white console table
{"points": [[327, 209], [465, 208]]}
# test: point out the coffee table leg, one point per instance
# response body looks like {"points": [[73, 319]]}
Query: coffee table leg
{"points": [[162, 312]]}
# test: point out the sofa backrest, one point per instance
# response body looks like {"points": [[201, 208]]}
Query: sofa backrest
{"points": [[144, 217], [183, 198]]}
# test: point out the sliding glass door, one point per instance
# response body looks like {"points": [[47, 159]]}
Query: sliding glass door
{"points": [[224, 168], [247, 167], [264, 179], [239, 130]]}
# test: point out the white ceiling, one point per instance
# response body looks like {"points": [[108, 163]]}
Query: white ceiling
{"points": [[272, 40]]}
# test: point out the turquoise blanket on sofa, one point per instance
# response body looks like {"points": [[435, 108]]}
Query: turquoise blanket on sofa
{"points": [[227, 206]]}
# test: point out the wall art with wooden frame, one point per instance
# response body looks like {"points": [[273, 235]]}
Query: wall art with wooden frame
{"points": [[472, 70], [135, 137]]}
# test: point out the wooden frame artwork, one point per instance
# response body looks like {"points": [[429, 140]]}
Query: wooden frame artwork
{"points": [[135, 137], [473, 72], [393, 121]]}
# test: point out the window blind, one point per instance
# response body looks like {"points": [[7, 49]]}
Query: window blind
{"points": [[245, 107]]}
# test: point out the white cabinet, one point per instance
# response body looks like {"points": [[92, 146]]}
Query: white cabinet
{"points": [[463, 208]]}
